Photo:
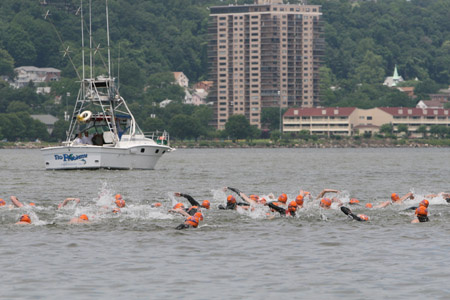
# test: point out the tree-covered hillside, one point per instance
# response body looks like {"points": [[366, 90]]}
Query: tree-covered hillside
{"points": [[364, 41]]}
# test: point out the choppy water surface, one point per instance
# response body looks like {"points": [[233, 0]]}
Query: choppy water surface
{"points": [[138, 254]]}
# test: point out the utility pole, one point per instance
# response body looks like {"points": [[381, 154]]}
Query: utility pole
{"points": [[279, 101]]}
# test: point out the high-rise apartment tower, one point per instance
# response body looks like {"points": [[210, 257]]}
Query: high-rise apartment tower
{"points": [[263, 55]]}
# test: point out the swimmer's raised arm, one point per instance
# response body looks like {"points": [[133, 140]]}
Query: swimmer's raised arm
{"points": [[16, 201], [189, 198], [325, 191], [180, 211], [67, 200], [242, 195], [409, 195]]}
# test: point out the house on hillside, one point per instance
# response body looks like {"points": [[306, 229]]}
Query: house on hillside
{"points": [[205, 85], [25, 74], [48, 120], [181, 79], [394, 79], [409, 90], [430, 104]]}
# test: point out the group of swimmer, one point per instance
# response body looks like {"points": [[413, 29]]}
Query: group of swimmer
{"points": [[194, 212]]}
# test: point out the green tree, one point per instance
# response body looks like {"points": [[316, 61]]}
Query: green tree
{"points": [[59, 132], [423, 130], [18, 106], [6, 64], [237, 127], [403, 128], [387, 128], [183, 126]]}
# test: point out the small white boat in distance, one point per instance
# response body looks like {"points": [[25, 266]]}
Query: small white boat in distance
{"points": [[113, 139]]}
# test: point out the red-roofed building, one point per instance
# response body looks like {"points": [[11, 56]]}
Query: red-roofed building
{"points": [[351, 120]]}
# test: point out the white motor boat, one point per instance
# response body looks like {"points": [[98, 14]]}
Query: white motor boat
{"points": [[114, 139]]}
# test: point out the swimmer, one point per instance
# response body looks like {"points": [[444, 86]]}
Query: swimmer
{"points": [[446, 196], [231, 201], [282, 199], [359, 217], [395, 199], [353, 201], [421, 215], [2, 202], [67, 200], [292, 208], [157, 204], [326, 202], [299, 200], [80, 220], [194, 204], [191, 221], [119, 201], [24, 220]]}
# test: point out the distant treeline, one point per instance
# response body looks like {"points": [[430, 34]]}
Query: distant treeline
{"points": [[150, 38]]}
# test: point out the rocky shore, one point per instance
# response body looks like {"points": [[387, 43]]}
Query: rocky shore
{"points": [[321, 143]]}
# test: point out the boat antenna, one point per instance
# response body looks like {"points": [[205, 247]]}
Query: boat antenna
{"points": [[118, 71], [82, 44], [90, 39], [66, 50], [107, 34]]}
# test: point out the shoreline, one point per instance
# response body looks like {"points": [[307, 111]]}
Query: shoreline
{"points": [[322, 143]]}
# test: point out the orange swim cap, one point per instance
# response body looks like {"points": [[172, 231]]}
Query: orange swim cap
{"points": [[395, 197], [231, 199], [192, 221], [118, 196], [363, 217], [325, 202], [282, 198], [84, 217], [25, 218], [422, 211], [254, 197], [157, 204], [206, 204], [178, 205], [354, 201], [2, 202], [31, 204], [424, 202], [369, 205], [199, 216], [120, 203], [116, 210], [299, 200], [292, 206], [262, 201]]}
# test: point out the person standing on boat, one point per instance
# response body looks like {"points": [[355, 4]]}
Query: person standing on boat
{"points": [[86, 139], [194, 204], [78, 140]]}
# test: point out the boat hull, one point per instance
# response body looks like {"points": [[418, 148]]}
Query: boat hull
{"points": [[142, 157]]}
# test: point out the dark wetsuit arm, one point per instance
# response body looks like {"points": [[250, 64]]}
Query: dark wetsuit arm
{"points": [[238, 192], [355, 217], [281, 210], [190, 199], [242, 204]]}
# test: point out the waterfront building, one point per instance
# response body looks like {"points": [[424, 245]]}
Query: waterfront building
{"points": [[263, 55], [348, 121]]}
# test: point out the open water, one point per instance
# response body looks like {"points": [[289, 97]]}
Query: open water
{"points": [[232, 255]]}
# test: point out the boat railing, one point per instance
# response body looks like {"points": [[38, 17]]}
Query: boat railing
{"points": [[160, 137]]}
